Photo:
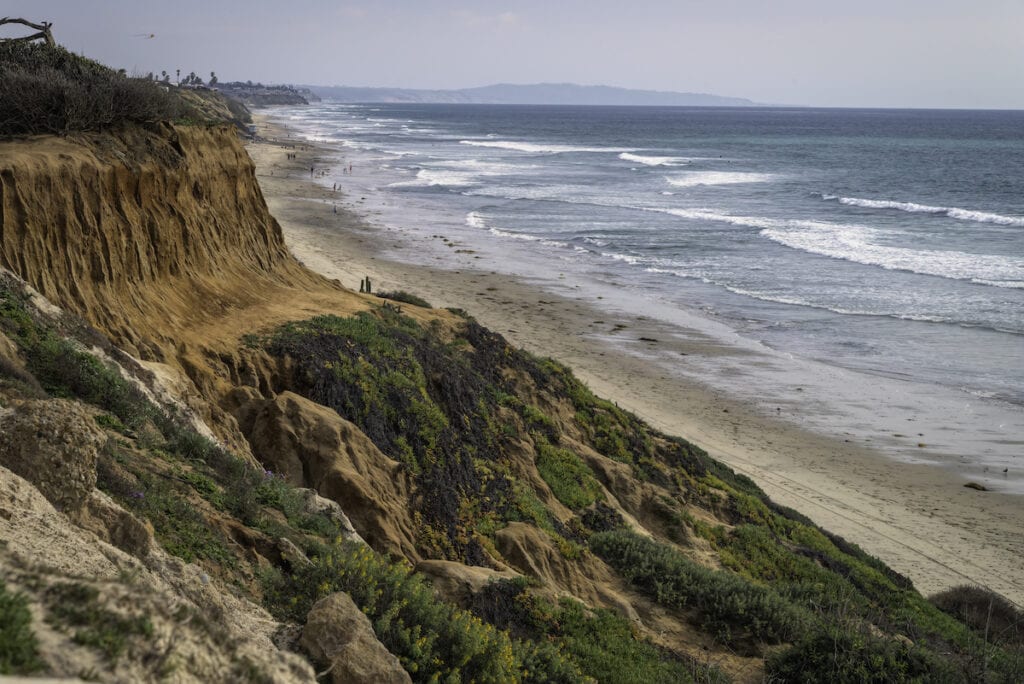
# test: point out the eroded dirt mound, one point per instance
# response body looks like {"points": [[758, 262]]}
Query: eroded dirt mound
{"points": [[314, 447]]}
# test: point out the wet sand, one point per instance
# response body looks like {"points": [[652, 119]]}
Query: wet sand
{"points": [[920, 519]]}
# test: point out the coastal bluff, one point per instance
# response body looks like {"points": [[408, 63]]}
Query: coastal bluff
{"points": [[270, 476], [142, 231]]}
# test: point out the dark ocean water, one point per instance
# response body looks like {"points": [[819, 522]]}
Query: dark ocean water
{"points": [[884, 241]]}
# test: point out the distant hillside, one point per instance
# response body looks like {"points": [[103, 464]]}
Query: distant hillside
{"points": [[540, 93], [259, 95]]}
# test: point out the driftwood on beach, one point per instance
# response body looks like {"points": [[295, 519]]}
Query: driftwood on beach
{"points": [[43, 29]]}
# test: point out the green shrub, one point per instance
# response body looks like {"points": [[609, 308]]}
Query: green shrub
{"points": [[843, 655], [571, 481], [46, 89], [983, 610], [77, 605], [728, 606], [179, 527], [433, 640], [110, 422], [423, 401], [19, 650], [406, 297], [601, 642], [63, 369]]}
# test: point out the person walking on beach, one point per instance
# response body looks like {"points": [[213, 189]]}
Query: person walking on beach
{"points": [[310, 171]]}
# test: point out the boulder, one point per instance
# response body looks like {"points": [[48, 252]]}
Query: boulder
{"points": [[53, 444], [337, 633], [114, 525], [458, 583], [314, 504]]}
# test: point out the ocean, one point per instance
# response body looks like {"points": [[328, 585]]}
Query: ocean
{"points": [[874, 258]]}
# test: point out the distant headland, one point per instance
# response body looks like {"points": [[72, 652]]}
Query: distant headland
{"points": [[538, 93]]}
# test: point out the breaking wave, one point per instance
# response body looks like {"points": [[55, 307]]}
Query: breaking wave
{"points": [[915, 208], [539, 148], [697, 178]]}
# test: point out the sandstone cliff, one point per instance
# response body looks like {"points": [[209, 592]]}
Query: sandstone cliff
{"points": [[143, 233]]}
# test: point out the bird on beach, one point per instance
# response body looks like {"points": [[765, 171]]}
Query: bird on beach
{"points": [[147, 36]]}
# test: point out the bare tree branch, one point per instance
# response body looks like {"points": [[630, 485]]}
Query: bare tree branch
{"points": [[43, 29]]}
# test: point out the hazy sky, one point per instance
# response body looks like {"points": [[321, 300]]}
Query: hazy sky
{"points": [[884, 53]]}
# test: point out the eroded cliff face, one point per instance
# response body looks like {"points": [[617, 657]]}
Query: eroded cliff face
{"points": [[160, 238], [144, 233]]}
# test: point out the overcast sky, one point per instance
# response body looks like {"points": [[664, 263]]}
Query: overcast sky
{"points": [[880, 53]]}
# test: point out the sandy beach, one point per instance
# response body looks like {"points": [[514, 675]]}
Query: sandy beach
{"points": [[920, 519]]}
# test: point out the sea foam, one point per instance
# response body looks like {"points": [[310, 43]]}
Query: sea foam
{"points": [[538, 148], [915, 208], [860, 244], [865, 245], [476, 220], [438, 177], [697, 178], [653, 161]]}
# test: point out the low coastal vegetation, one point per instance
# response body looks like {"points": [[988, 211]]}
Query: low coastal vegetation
{"points": [[19, 653], [48, 89], [405, 297], [458, 406]]}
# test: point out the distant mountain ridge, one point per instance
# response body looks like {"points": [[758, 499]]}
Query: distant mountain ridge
{"points": [[538, 93]]}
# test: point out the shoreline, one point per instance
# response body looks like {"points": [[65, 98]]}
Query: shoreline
{"points": [[919, 519]]}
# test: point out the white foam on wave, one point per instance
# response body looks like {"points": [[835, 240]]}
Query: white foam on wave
{"points": [[627, 258], [459, 173], [865, 245], [476, 220], [538, 148], [487, 168], [653, 161], [1010, 284], [860, 244], [915, 208], [438, 177], [355, 145], [698, 178], [799, 301]]}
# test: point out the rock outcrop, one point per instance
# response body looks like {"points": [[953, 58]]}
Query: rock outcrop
{"points": [[314, 447], [141, 232], [53, 444], [338, 634], [173, 617]]}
